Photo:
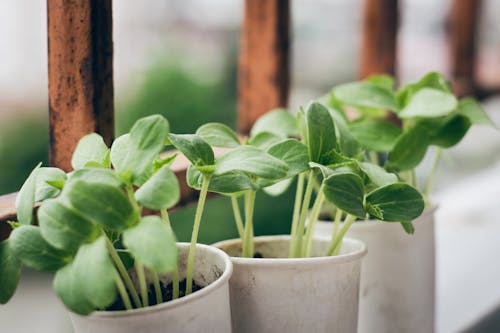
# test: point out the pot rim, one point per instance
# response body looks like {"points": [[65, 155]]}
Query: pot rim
{"points": [[221, 280], [274, 262]]}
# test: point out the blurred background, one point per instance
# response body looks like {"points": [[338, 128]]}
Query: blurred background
{"points": [[179, 58]]}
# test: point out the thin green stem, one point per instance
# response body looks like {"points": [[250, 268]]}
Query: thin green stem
{"points": [[156, 284], [175, 273], [123, 272], [432, 172], [123, 291], [318, 202], [337, 241], [373, 157], [139, 268], [248, 248], [297, 246], [413, 178], [194, 235], [336, 223], [237, 216], [296, 209]]}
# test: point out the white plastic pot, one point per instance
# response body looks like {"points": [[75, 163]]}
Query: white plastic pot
{"points": [[398, 276], [206, 310], [277, 294]]}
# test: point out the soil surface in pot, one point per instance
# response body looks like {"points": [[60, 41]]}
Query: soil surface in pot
{"points": [[166, 294]]}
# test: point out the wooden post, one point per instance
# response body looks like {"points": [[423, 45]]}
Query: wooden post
{"points": [[80, 58], [378, 47], [464, 19], [264, 73]]}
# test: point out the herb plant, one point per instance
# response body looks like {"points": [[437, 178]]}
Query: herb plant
{"points": [[91, 231]]}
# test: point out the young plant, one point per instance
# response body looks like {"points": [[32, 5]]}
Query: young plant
{"points": [[91, 233]]}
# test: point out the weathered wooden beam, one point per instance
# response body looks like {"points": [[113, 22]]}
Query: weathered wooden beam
{"points": [[264, 60], [463, 26], [80, 54], [379, 39]]}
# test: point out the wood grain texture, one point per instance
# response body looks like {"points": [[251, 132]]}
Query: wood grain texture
{"points": [[379, 39], [80, 55], [264, 60], [463, 26]]}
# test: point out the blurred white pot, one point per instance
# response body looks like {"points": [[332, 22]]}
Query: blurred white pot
{"points": [[206, 310], [278, 294], [398, 276]]}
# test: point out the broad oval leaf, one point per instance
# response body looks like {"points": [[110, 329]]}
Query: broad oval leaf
{"points": [[397, 202], [382, 81], [153, 243], [218, 135], [429, 103], [194, 148], [10, 271], [226, 183], [471, 109], [264, 140], [69, 290], [147, 139], [293, 153], [95, 273], [63, 227], [94, 175], [279, 122], [451, 131], [321, 138], [90, 148], [430, 80], [346, 191], [161, 191], [278, 188], [25, 200], [252, 160], [102, 204], [365, 95], [376, 135], [46, 176], [34, 251], [378, 175], [348, 144], [410, 149], [120, 150]]}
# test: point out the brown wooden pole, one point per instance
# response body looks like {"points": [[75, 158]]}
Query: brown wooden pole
{"points": [[379, 40], [264, 60], [80, 54], [464, 20]]}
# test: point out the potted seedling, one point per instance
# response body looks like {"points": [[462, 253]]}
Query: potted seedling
{"points": [[298, 283], [395, 128], [115, 269]]}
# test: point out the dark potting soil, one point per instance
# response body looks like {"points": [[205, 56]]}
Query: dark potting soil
{"points": [[166, 292], [258, 255]]}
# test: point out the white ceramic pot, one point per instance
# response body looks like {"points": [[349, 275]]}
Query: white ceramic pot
{"points": [[206, 310], [398, 276], [277, 294]]}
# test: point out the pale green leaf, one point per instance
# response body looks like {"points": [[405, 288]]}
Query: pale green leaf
{"points": [[365, 95], [471, 109], [194, 148], [10, 271], [378, 175], [376, 135], [218, 135], [25, 200], [67, 287], [90, 148], [293, 153], [45, 177], [429, 103], [161, 191], [279, 122]]}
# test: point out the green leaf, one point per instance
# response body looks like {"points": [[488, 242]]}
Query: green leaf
{"points": [[348, 144], [365, 95], [430, 80], [194, 148], [471, 109], [408, 227], [264, 140], [218, 135], [376, 135], [346, 191], [252, 160], [10, 271], [102, 204], [279, 187], [67, 287], [44, 178], [397, 202], [161, 191], [34, 251], [279, 122], [293, 153], [94, 175], [321, 137], [450, 132], [227, 183], [25, 200], [147, 139], [95, 273], [120, 150], [409, 149], [153, 243], [429, 103], [90, 148], [63, 227], [378, 175], [383, 81]]}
